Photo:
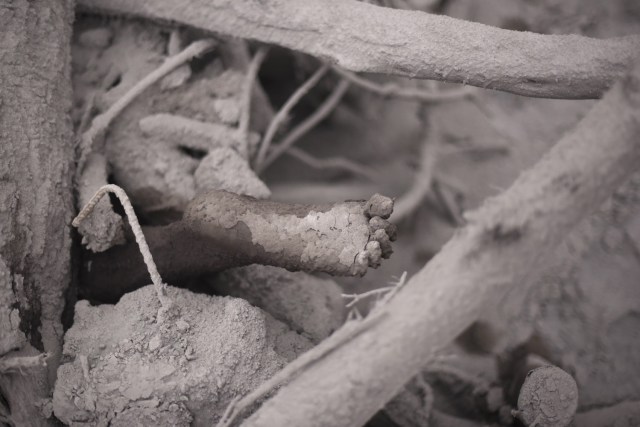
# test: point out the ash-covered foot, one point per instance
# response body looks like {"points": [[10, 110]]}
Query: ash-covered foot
{"points": [[341, 239], [379, 206], [222, 230], [381, 233]]}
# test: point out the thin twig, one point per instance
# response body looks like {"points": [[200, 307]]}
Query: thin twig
{"points": [[411, 93], [384, 293], [101, 122], [284, 112], [422, 181], [161, 287], [333, 163], [320, 114], [247, 92], [356, 298], [396, 288]]}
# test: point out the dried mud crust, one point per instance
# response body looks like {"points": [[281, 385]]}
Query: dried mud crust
{"points": [[121, 364]]}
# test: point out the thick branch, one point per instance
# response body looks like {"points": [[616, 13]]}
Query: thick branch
{"points": [[505, 244], [36, 206], [221, 230], [365, 38]]}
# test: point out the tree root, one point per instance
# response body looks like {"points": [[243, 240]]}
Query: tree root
{"points": [[220, 230], [36, 197], [362, 37]]}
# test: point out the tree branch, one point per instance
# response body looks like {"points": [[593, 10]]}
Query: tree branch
{"points": [[36, 194], [221, 230], [506, 243], [362, 37]]}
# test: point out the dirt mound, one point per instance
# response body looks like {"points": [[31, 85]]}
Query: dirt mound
{"points": [[122, 364]]}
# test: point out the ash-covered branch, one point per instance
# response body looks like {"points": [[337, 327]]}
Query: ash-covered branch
{"points": [[36, 197], [363, 37], [507, 243], [220, 230]]}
